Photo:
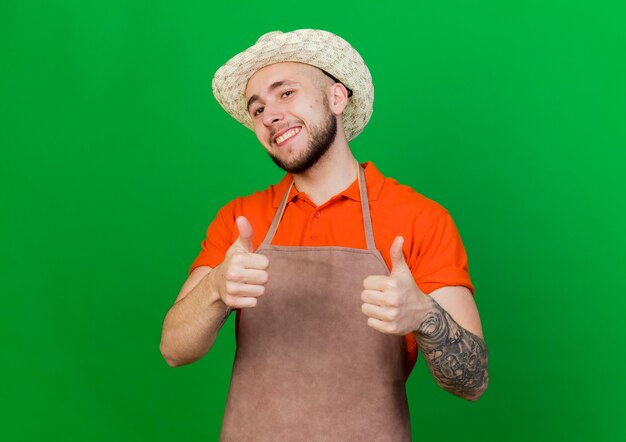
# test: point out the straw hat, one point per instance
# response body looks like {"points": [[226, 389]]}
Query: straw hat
{"points": [[322, 49]]}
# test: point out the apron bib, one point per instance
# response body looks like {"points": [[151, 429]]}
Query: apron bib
{"points": [[307, 366]]}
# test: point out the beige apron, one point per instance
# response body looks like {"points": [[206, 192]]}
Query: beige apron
{"points": [[307, 366]]}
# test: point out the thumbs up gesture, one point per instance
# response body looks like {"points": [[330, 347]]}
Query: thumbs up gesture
{"points": [[394, 304], [240, 279]]}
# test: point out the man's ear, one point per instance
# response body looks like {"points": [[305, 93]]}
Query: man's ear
{"points": [[337, 98]]}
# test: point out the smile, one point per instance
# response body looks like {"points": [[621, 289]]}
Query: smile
{"points": [[287, 135]]}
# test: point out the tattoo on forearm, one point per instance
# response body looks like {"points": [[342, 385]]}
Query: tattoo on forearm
{"points": [[456, 358]]}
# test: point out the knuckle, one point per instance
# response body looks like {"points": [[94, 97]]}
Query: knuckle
{"points": [[228, 300], [394, 313], [232, 275], [237, 258], [231, 288], [393, 301], [371, 282], [247, 302]]}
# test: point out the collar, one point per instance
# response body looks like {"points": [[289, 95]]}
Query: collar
{"points": [[373, 178]]}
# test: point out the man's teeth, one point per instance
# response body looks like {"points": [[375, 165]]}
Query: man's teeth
{"points": [[288, 134]]}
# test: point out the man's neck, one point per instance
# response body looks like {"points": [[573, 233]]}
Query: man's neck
{"points": [[333, 173]]}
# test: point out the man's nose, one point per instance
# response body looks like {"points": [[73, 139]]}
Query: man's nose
{"points": [[272, 115]]}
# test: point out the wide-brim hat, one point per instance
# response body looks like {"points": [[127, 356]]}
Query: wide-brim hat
{"points": [[322, 49]]}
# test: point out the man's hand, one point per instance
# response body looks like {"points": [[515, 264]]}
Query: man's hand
{"points": [[395, 304], [240, 279]]}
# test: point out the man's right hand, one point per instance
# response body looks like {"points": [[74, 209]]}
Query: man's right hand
{"points": [[240, 279]]}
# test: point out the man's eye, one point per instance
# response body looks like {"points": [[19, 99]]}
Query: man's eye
{"points": [[287, 93], [257, 112]]}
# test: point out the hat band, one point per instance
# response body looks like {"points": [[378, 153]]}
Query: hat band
{"points": [[337, 81]]}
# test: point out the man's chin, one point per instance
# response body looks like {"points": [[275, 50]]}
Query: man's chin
{"points": [[295, 166]]}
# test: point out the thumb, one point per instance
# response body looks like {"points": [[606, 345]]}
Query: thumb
{"points": [[398, 263], [245, 233]]}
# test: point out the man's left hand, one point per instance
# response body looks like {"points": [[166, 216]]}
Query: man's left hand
{"points": [[394, 304]]}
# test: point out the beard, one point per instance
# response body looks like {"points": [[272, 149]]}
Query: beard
{"points": [[322, 137]]}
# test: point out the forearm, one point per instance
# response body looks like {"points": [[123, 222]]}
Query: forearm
{"points": [[192, 323], [457, 359]]}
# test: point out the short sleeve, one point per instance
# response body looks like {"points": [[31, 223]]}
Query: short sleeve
{"points": [[218, 239], [441, 259]]}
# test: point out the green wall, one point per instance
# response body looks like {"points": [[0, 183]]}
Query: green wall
{"points": [[115, 157]]}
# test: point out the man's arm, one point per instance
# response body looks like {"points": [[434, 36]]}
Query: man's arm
{"points": [[445, 324], [208, 296], [455, 351], [192, 323]]}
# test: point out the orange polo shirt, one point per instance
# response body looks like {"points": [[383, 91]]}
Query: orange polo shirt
{"points": [[432, 246]]}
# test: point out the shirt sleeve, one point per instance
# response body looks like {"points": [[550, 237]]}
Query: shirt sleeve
{"points": [[441, 259], [218, 239]]}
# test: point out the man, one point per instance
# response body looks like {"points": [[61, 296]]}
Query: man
{"points": [[327, 270]]}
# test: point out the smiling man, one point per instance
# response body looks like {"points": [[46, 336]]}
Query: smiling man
{"points": [[337, 274], [278, 137]]}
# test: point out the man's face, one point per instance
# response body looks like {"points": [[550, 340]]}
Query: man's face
{"points": [[289, 108]]}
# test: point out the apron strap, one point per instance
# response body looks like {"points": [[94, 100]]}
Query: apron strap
{"points": [[365, 208], [279, 214]]}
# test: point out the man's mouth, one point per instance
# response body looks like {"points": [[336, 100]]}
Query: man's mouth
{"points": [[288, 134]]}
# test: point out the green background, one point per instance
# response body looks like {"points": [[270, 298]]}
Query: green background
{"points": [[115, 157]]}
